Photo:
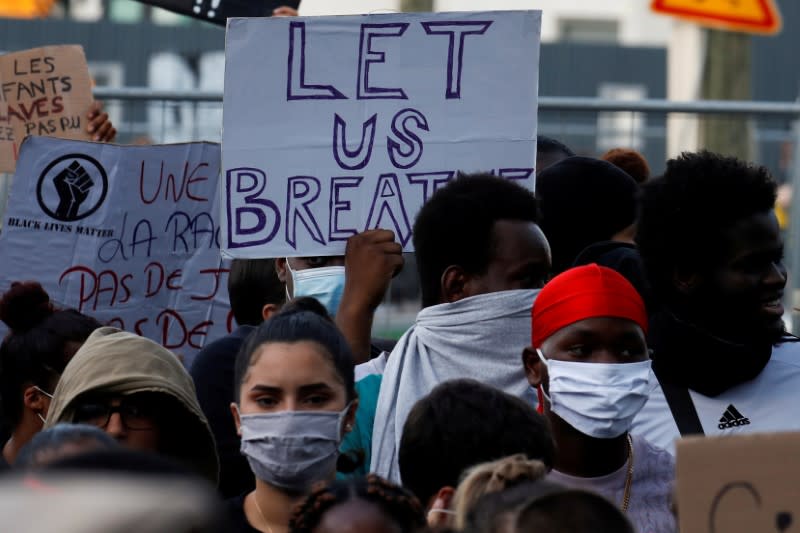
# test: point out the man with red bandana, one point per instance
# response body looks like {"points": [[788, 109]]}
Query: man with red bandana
{"points": [[589, 362]]}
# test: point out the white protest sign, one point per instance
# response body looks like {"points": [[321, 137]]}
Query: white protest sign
{"points": [[335, 125], [127, 234]]}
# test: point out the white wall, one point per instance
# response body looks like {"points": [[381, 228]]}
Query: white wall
{"points": [[637, 24], [347, 7]]}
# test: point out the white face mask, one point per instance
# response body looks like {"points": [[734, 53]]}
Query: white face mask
{"points": [[326, 284], [449, 516], [42, 418], [597, 399]]}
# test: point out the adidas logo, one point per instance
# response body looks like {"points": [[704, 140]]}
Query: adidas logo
{"points": [[732, 418]]}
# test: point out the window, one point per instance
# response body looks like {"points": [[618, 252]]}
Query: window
{"points": [[623, 129], [588, 30], [86, 10], [126, 11]]}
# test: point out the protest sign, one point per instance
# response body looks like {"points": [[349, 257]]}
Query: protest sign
{"points": [[127, 234], [43, 91], [218, 11], [740, 483], [335, 125]]}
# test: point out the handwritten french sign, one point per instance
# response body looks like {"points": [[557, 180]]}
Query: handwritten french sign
{"points": [[336, 125], [739, 483], [127, 234], [43, 91]]}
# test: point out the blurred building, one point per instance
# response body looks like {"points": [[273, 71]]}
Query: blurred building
{"points": [[627, 22], [613, 49], [591, 48]]}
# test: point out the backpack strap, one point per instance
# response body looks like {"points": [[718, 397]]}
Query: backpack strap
{"points": [[683, 409]]}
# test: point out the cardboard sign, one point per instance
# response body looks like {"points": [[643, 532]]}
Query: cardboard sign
{"points": [[218, 11], [738, 484], [336, 125], [43, 91], [127, 234]]}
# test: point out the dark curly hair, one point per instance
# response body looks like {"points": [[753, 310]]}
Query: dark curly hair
{"points": [[573, 511], [455, 226], [462, 423], [36, 350], [685, 212], [395, 502], [631, 161]]}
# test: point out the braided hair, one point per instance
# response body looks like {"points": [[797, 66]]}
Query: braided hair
{"points": [[395, 502]]}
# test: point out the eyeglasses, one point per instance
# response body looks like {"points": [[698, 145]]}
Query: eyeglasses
{"points": [[134, 416]]}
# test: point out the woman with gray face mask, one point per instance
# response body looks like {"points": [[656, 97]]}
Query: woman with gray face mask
{"points": [[296, 400]]}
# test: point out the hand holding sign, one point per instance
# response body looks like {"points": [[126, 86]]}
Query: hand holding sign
{"points": [[285, 11], [371, 260], [99, 124]]}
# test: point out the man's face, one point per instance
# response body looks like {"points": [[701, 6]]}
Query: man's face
{"points": [[743, 293], [132, 420], [521, 259], [303, 263], [606, 340]]}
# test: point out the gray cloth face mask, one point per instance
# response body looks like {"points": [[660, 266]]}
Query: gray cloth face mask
{"points": [[292, 450]]}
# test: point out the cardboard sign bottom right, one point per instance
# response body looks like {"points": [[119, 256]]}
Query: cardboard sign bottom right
{"points": [[747, 483]]}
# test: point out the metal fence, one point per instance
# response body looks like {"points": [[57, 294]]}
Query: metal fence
{"points": [[588, 125]]}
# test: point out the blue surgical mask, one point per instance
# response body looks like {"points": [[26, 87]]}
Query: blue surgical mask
{"points": [[326, 284]]}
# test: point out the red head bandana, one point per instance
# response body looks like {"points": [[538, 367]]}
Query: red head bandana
{"points": [[584, 292]]}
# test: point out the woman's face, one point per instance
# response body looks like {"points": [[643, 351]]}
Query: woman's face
{"points": [[297, 376]]}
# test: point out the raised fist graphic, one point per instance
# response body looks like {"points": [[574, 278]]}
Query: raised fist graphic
{"points": [[72, 185]]}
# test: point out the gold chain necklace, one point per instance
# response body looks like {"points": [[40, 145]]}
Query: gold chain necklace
{"points": [[261, 514], [626, 497]]}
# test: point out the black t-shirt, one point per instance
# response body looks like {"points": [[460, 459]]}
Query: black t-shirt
{"points": [[212, 372], [236, 519]]}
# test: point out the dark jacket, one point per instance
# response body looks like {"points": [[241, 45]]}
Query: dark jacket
{"points": [[212, 372]]}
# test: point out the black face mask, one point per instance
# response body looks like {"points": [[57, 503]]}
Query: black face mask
{"points": [[688, 356]]}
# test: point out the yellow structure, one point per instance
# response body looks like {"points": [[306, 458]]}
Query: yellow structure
{"points": [[25, 8], [750, 16]]}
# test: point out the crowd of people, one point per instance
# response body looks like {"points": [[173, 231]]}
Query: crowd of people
{"points": [[566, 340]]}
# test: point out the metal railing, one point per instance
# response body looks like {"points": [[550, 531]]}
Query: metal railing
{"points": [[548, 103], [584, 123]]}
